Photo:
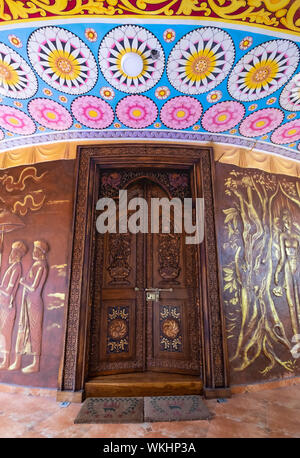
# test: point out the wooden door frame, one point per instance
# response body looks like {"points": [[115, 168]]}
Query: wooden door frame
{"points": [[74, 364]]}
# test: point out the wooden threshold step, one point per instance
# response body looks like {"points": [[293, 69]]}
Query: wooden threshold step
{"points": [[143, 384]]}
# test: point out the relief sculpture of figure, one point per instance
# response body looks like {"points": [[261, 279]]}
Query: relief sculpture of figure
{"points": [[289, 258], [29, 338], [8, 290]]}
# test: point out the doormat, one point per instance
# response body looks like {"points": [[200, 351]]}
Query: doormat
{"points": [[139, 410], [175, 408], [111, 410]]}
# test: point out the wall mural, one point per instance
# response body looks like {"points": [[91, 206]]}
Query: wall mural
{"points": [[283, 14], [259, 226], [33, 270], [212, 83]]}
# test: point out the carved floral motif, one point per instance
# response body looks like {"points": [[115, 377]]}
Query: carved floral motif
{"points": [[119, 268], [118, 329], [169, 257], [171, 338], [170, 328], [177, 184]]}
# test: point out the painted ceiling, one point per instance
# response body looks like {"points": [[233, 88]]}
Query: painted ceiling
{"points": [[191, 80]]}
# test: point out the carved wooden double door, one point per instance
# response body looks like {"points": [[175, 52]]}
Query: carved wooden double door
{"points": [[145, 307]]}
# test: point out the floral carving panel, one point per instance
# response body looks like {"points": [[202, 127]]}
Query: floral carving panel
{"points": [[118, 329], [170, 321]]}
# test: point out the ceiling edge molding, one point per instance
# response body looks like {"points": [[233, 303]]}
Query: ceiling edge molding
{"points": [[146, 135]]}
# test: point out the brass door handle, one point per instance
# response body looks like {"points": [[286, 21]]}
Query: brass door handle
{"points": [[153, 289], [158, 289]]}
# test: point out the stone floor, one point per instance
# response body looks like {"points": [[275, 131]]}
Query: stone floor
{"points": [[272, 413]]}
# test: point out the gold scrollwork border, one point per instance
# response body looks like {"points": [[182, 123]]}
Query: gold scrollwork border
{"points": [[282, 14]]}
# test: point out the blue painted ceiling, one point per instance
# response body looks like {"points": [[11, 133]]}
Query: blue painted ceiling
{"points": [[190, 81]]}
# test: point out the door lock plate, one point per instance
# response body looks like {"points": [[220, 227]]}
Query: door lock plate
{"points": [[152, 296]]}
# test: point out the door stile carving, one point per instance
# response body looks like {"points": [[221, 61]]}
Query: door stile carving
{"points": [[216, 353], [197, 191], [74, 363], [90, 264], [68, 367], [224, 371]]}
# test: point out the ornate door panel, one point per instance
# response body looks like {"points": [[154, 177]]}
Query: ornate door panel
{"points": [[89, 350], [131, 332], [117, 340], [173, 343]]}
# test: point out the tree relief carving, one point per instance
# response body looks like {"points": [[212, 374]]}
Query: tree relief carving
{"points": [[261, 282]]}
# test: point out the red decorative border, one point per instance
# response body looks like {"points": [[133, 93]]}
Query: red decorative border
{"points": [[282, 14]]}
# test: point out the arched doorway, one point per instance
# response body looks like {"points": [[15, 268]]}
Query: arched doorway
{"points": [[113, 331], [146, 305]]}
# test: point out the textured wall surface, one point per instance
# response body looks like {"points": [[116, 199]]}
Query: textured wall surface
{"points": [[258, 218], [36, 205]]}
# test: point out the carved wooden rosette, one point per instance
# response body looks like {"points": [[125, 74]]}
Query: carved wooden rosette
{"points": [[202, 270]]}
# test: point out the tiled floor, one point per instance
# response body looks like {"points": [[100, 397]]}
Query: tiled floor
{"points": [[269, 413]]}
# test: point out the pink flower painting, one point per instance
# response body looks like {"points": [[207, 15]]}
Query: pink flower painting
{"points": [[50, 114], [136, 111], [223, 116], [261, 122], [92, 112], [181, 112], [16, 121], [287, 133]]}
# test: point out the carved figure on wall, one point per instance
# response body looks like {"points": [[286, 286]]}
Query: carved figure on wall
{"points": [[8, 290], [289, 255], [251, 248], [8, 223], [29, 338], [16, 201]]}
